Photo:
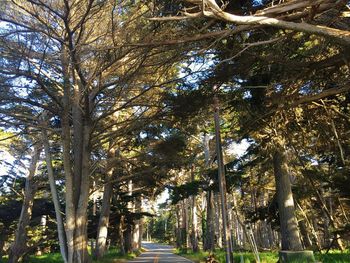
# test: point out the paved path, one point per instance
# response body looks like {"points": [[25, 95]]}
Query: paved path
{"points": [[158, 254]]}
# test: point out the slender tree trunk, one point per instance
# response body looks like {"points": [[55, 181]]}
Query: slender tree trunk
{"points": [[67, 166], [54, 194], [121, 229], [137, 233], [288, 222], [194, 234], [184, 224], [178, 226], [209, 243], [222, 184], [128, 233], [210, 239], [203, 211], [18, 248], [305, 235], [315, 238], [102, 230], [218, 222]]}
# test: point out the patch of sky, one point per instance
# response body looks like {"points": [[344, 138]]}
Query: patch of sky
{"points": [[247, 94], [278, 87], [306, 88], [257, 2], [11, 169], [195, 68], [139, 110], [238, 148]]}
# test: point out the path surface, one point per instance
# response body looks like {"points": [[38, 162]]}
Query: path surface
{"points": [[158, 254]]}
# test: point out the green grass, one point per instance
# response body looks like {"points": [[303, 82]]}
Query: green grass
{"points": [[334, 257], [265, 257], [113, 256], [220, 256]]}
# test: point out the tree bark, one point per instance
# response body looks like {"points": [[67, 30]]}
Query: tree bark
{"points": [[81, 254], [128, 237], [102, 231], [222, 184], [54, 194], [210, 238], [194, 234], [218, 222], [178, 226], [121, 235], [209, 244], [288, 222], [137, 233], [67, 165], [18, 248]]}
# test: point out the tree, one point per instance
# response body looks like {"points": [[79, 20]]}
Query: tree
{"points": [[73, 66], [285, 15], [18, 247]]}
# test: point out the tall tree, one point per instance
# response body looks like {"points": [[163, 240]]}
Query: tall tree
{"points": [[19, 246]]}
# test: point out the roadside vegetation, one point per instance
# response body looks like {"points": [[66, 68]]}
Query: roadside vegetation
{"points": [[265, 257], [113, 256]]}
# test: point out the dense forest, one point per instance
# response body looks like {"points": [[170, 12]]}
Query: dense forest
{"points": [[237, 110]]}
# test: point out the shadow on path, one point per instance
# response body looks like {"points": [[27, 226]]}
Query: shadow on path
{"points": [[157, 253]]}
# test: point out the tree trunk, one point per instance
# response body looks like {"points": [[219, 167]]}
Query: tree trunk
{"points": [[102, 230], [222, 184], [128, 238], [210, 238], [288, 222], [305, 235], [137, 233], [194, 234], [121, 242], [185, 223], [81, 254], [178, 226], [209, 244], [315, 238], [54, 194], [66, 152], [218, 221], [18, 248]]}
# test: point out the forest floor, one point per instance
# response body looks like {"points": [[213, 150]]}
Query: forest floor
{"points": [[265, 257]]}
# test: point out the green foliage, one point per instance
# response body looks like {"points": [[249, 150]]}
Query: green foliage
{"points": [[161, 228], [186, 190]]}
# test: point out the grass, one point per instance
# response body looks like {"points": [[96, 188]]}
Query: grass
{"points": [[113, 256], [265, 257], [334, 257]]}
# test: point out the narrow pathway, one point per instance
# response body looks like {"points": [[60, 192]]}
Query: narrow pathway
{"points": [[158, 254]]}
